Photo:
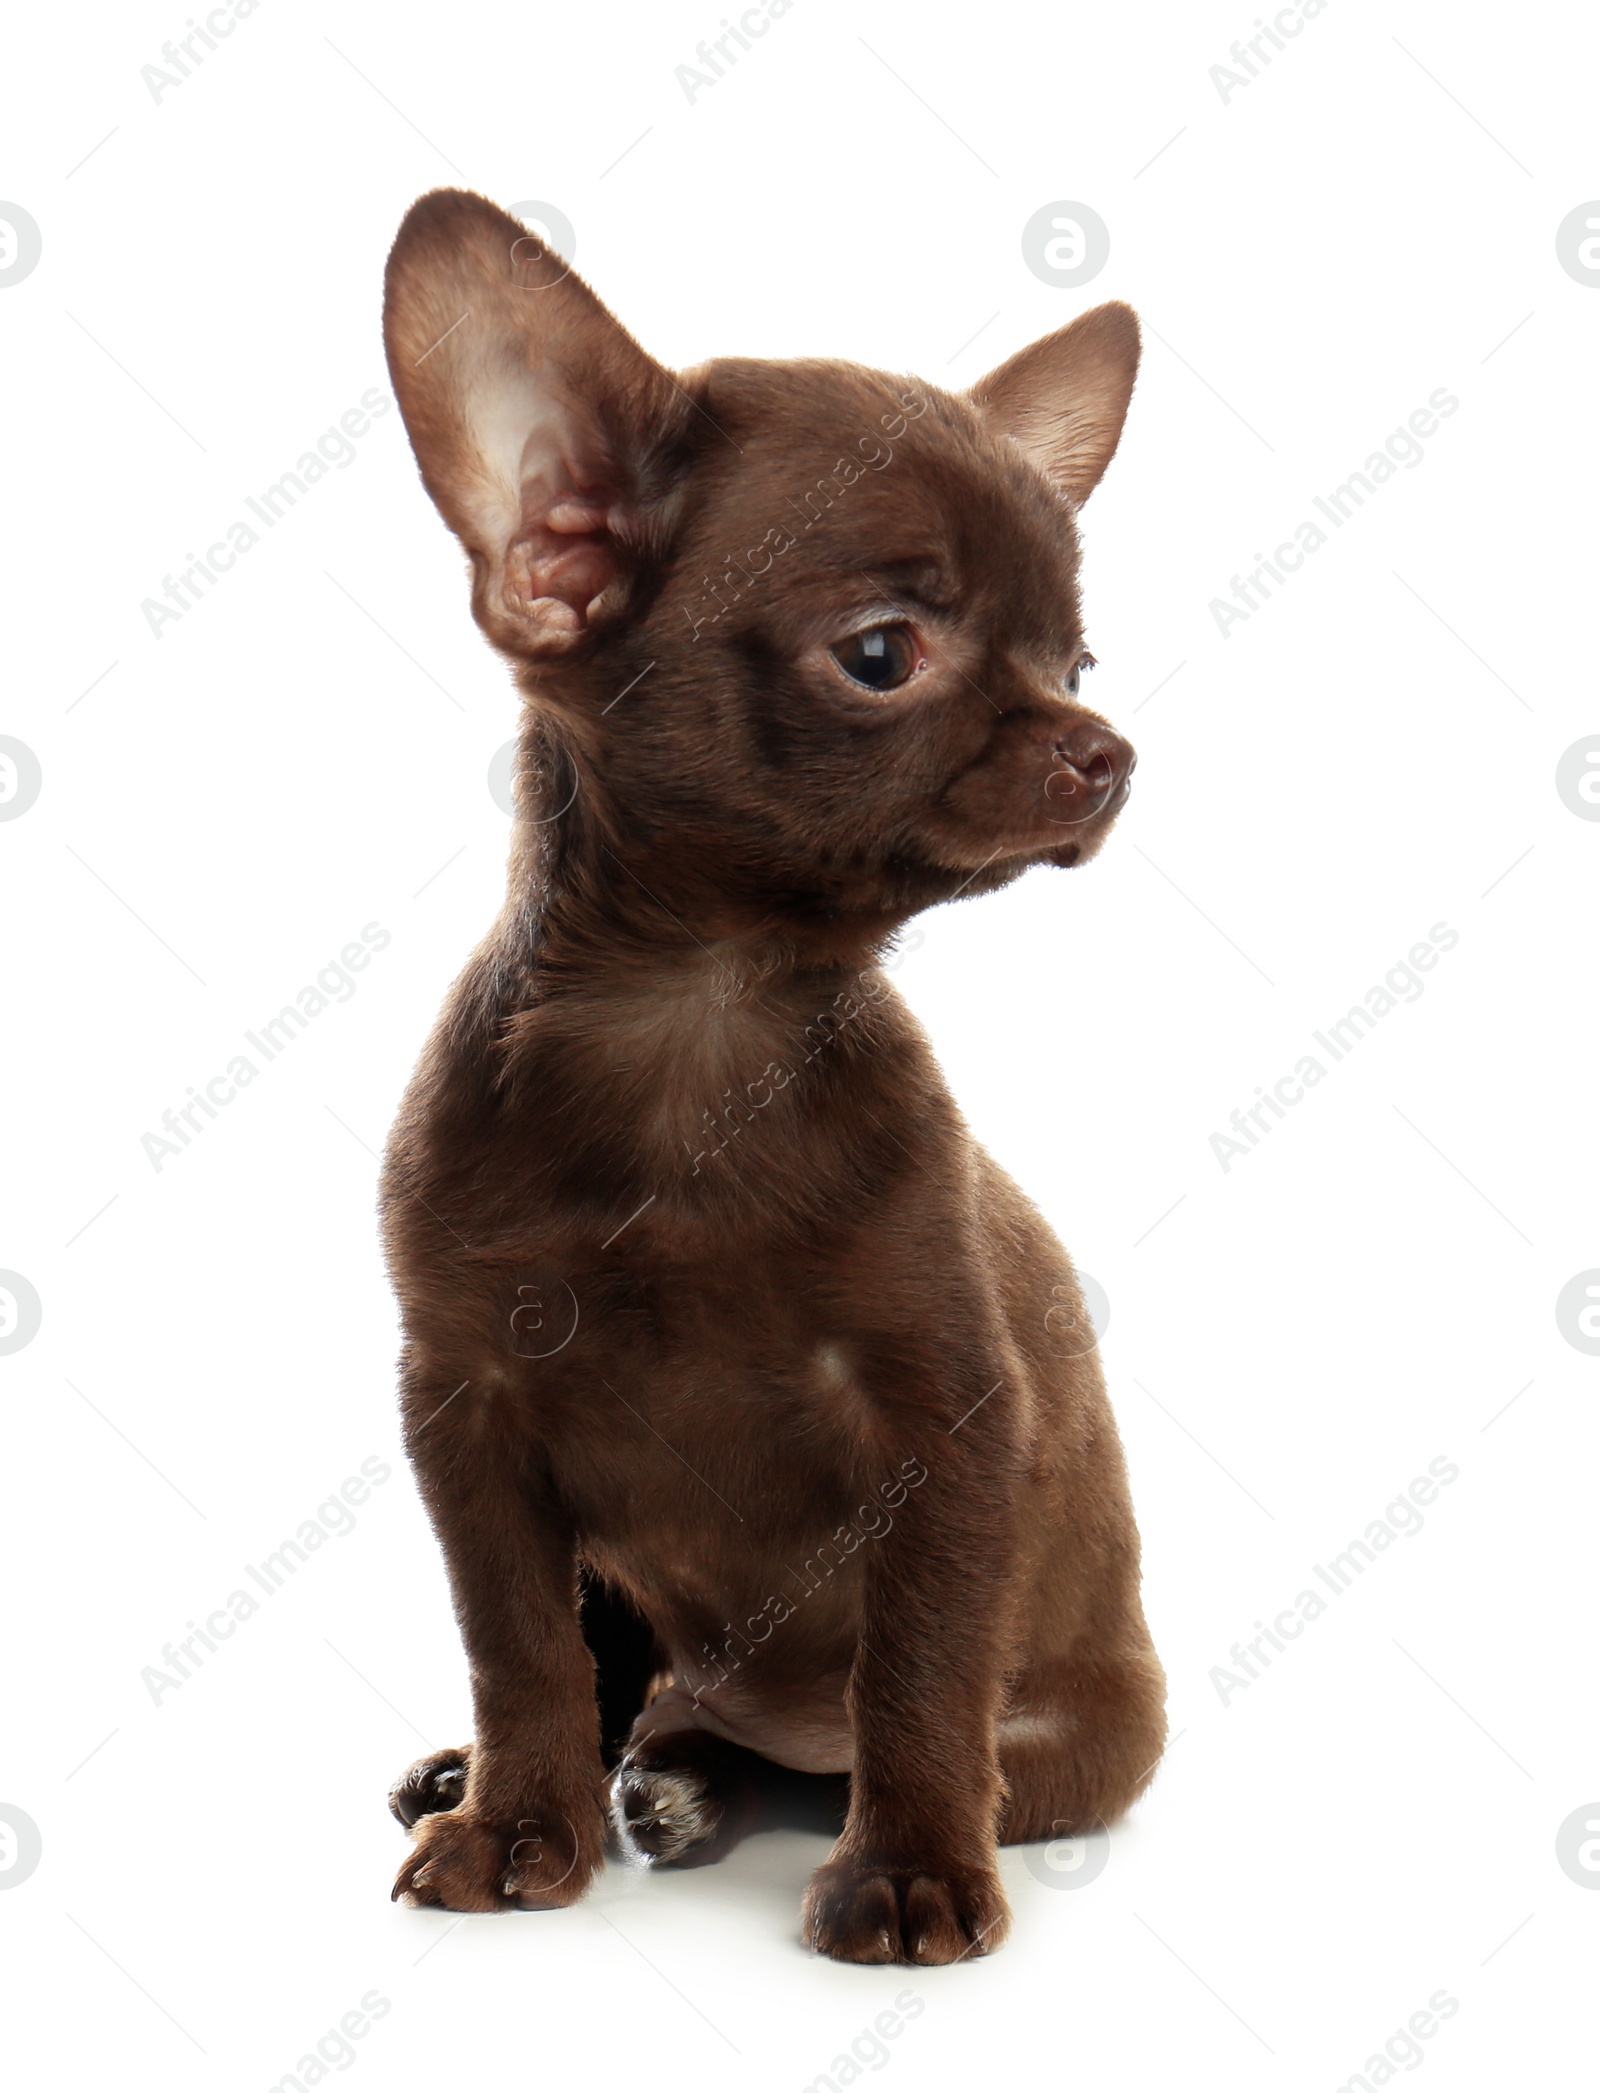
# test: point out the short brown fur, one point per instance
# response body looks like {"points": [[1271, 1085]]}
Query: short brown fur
{"points": [[755, 1408]]}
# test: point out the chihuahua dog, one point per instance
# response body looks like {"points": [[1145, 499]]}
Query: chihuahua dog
{"points": [[755, 1408]]}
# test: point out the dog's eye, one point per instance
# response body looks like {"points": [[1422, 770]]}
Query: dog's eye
{"points": [[1084, 661], [881, 659]]}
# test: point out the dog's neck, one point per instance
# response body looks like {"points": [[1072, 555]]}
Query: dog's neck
{"points": [[596, 901], [684, 1017]]}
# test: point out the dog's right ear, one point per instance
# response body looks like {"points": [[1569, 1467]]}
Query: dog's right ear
{"points": [[1064, 398], [544, 433]]}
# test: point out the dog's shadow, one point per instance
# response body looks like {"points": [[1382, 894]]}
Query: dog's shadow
{"points": [[782, 1800]]}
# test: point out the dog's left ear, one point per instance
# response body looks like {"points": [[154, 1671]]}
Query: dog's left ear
{"points": [[545, 434], [1064, 398]]}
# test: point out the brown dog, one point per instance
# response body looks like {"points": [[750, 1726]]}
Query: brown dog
{"points": [[754, 1406]]}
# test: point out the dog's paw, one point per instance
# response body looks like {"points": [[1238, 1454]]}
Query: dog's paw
{"points": [[437, 1782], [858, 1911], [663, 1812], [465, 1862]]}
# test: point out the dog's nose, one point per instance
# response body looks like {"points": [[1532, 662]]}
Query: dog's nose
{"points": [[1091, 766]]}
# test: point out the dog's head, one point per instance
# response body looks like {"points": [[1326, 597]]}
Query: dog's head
{"points": [[808, 628]]}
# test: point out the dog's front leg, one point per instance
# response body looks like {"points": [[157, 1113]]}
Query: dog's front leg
{"points": [[529, 1830], [913, 1877]]}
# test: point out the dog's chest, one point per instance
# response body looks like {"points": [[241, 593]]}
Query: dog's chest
{"points": [[696, 1070], [750, 1443], [707, 1073]]}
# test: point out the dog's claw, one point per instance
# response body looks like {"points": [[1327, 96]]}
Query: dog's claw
{"points": [[858, 1913]]}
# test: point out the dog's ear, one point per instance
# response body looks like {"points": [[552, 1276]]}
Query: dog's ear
{"points": [[1064, 397], [543, 431]]}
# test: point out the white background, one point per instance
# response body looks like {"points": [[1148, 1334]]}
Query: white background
{"points": [[1291, 1340]]}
